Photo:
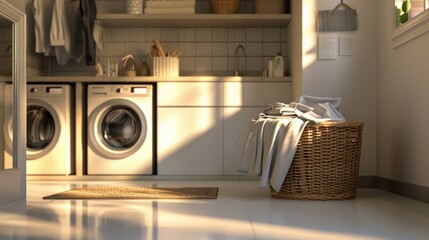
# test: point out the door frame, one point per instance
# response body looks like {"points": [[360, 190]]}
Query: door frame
{"points": [[13, 181]]}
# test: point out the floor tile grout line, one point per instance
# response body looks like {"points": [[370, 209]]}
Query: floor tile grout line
{"points": [[247, 210]]}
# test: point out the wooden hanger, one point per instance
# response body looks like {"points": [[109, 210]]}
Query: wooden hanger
{"points": [[343, 5]]}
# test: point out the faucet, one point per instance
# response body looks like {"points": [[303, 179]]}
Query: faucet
{"points": [[237, 50]]}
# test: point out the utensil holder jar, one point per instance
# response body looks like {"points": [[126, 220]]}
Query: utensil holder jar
{"points": [[165, 66]]}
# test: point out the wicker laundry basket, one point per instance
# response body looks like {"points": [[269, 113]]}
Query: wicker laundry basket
{"points": [[224, 6], [326, 163]]}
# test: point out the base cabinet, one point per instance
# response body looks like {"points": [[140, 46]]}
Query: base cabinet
{"points": [[202, 127], [236, 128], [190, 141]]}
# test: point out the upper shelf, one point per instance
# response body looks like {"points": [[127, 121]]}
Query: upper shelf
{"points": [[195, 20]]}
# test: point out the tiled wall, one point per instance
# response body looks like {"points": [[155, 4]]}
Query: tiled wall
{"points": [[202, 50], [5, 51]]}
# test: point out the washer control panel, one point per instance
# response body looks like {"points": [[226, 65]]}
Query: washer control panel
{"points": [[120, 90]]}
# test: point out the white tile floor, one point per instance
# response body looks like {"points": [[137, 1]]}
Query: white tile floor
{"points": [[242, 211]]}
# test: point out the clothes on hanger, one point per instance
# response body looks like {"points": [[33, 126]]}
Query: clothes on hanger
{"points": [[88, 12], [65, 29]]}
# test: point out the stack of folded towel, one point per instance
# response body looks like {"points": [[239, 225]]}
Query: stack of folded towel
{"points": [[170, 7]]}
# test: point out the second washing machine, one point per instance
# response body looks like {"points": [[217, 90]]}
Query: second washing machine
{"points": [[120, 129]]}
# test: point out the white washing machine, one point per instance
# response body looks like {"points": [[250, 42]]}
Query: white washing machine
{"points": [[49, 129], [120, 129]]}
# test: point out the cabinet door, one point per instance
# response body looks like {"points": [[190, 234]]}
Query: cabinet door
{"points": [[190, 94], [236, 129], [190, 141], [256, 94]]}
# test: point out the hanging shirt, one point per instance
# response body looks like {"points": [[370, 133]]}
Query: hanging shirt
{"points": [[60, 32], [89, 13], [42, 10]]}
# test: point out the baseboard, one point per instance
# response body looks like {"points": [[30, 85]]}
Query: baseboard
{"points": [[409, 190], [367, 182]]}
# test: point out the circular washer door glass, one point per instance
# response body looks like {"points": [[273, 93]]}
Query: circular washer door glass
{"points": [[40, 127], [120, 127]]}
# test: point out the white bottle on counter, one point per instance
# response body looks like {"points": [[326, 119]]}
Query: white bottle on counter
{"points": [[278, 66]]}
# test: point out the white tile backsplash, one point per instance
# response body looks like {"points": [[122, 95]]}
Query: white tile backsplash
{"points": [[236, 34], [116, 35], [153, 33], [270, 49], [254, 34], [203, 64], [220, 64], [186, 34], [254, 49], [116, 49], [140, 48], [187, 64], [203, 35], [169, 35], [271, 35], [137, 34], [200, 49], [254, 64], [203, 49], [232, 48], [219, 49], [220, 34], [187, 49]]}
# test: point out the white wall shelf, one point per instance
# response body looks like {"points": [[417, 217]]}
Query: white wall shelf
{"points": [[195, 20]]}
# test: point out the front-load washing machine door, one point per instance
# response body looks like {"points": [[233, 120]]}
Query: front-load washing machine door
{"points": [[43, 129], [117, 129]]}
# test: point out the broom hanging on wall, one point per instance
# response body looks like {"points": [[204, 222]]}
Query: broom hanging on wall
{"points": [[341, 18]]}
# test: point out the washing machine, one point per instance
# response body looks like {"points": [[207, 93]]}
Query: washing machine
{"points": [[120, 129], [49, 129]]}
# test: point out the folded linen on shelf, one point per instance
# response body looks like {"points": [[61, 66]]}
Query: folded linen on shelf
{"points": [[273, 139], [185, 10], [170, 4]]}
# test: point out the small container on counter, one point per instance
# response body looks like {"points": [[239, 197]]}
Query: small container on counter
{"points": [[144, 68]]}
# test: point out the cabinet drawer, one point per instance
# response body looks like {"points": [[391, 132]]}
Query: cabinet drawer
{"points": [[259, 94], [190, 94]]}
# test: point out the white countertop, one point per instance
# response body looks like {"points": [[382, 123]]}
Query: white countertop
{"points": [[88, 79]]}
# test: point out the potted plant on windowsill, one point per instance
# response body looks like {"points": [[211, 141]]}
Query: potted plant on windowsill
{"points": [[402, 13]]}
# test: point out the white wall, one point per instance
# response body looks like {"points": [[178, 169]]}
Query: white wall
{"points": [[353, 78], [403, 113]]}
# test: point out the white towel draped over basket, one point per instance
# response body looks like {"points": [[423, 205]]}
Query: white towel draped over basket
{"points": [[273, 137]]}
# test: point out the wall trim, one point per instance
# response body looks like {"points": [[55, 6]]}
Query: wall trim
{"points": [[409, 190], [411, 29], [416, 192]]}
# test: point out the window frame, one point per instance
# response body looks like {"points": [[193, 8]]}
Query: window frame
{"points": [[412, 29]]}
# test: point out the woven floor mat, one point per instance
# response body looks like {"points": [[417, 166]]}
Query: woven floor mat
{"points": [[137, 193]]}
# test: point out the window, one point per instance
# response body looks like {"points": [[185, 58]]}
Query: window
{"points": [[414, 24], [417, 6]]}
